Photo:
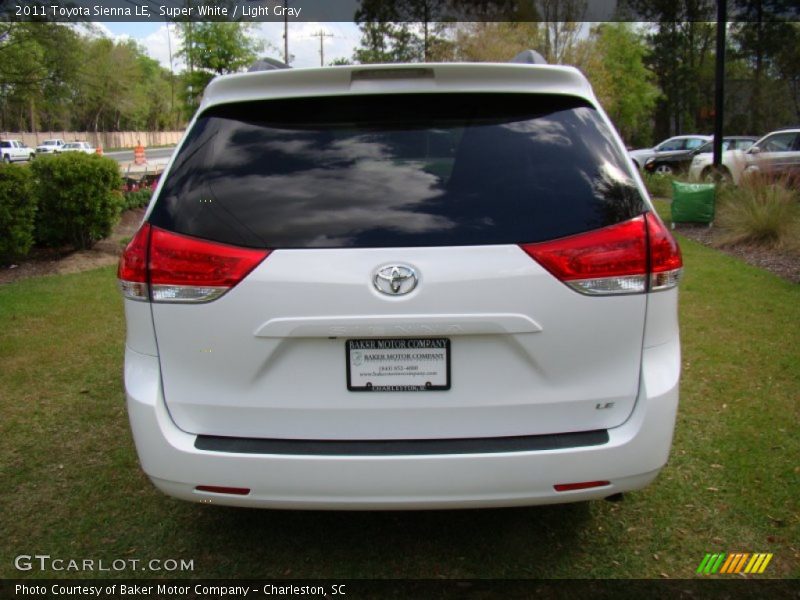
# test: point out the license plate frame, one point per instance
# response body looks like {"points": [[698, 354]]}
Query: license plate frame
{"points": [[405, 357]]}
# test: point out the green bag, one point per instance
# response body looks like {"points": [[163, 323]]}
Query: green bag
{"points": [[692, 202]]}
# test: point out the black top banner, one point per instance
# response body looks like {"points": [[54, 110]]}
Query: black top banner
{"points": [[391, 10]]}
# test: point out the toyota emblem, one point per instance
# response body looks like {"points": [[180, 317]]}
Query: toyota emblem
{"points": [[395, 280]]}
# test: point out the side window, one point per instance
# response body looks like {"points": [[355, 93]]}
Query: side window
{"points": [[5, 144], [694, 143], [670, 145], [780, 142]]}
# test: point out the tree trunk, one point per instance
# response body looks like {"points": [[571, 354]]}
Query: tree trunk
{"points": [[33, 115]]}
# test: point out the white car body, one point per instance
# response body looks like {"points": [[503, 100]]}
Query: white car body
{"points": [[50, 146], [775, 155], [84, 147], [555, 395], [733, 163], [668, 147], [14, 151]]}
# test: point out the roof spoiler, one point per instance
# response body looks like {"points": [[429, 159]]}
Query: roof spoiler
{"points": [[267, 64], [529, 57]]}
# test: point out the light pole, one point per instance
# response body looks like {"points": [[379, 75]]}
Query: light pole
{"points": [[719, 85], [285, 32]]}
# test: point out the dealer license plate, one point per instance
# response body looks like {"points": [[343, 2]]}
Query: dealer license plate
{"points": [[398, 365]]}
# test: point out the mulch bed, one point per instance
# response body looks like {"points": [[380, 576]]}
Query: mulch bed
{"points": [[781, 263]]}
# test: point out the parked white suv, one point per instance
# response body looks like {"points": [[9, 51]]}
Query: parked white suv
{"points": [[50, 146], [15, 150], [391, 287]]}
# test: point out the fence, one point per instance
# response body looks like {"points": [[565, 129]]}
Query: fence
{"points": [[106, 139]]}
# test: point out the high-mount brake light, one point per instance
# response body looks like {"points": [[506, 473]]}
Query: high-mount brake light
{"points": [[631, 257], [162, 266]]}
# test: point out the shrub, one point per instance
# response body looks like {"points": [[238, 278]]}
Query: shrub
{"points": [[759, 211], [78, 198], [659, 186], [137, 199], [17, 212]]}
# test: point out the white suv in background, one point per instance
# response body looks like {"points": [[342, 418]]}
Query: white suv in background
{"points": [[50, 146], [14, 150], [405, 286]]}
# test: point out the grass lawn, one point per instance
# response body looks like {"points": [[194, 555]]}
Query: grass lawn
{"points": [[72, 487]]}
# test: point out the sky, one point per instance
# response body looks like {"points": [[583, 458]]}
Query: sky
{"points": [[303, 44]]}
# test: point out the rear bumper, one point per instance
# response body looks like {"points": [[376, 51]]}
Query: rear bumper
{"points": [[632, 457]]}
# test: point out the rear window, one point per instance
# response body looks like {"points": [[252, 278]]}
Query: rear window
{"points": [[397, 170]]}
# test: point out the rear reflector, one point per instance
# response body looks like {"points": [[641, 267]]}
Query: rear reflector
{"points": [[167, 267], [619, 259], [584, 485], [216, 489]]}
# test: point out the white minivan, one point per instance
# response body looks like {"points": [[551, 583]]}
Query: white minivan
{"points": [[401, 286]]}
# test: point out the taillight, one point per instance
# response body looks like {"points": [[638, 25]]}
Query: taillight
{"points": [[666, 264], [132, 270], [631, 257], [179, 268]]}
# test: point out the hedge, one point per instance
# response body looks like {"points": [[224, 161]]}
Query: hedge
{"points": [[79, 201], [17, 212]]}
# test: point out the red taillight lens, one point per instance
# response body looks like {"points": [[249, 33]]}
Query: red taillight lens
{"points": [[666, 264], [618, 259], [179, 268], [132, 270], [612, 260]]}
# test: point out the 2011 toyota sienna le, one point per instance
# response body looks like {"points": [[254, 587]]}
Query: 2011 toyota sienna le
{"points": [[390, 287]]}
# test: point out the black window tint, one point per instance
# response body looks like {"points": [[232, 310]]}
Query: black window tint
{"points": [[403, 170]]}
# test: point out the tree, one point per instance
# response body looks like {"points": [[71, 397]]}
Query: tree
{"points": [[407, 31], [787, 62], [768, 45], [39, 62], [214, 48], [621, 81], [681, 56], [54, 76], [561, 26], [384, 42], [108, 83], [495, 42]]}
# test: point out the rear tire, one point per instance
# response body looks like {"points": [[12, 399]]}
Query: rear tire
{"points": [[6, 159], [663, 170], [724, 176]]}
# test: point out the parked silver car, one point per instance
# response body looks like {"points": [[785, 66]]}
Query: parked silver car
{"points": [[673, 145]]}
